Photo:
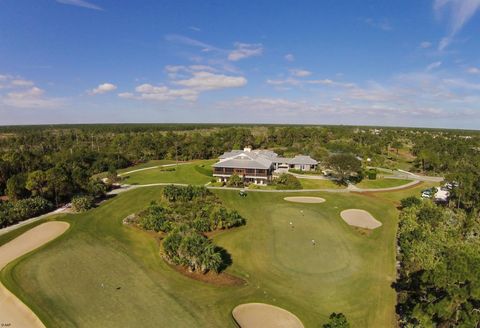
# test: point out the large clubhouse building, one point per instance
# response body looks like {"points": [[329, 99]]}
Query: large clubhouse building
{"points": [[257, 166]]}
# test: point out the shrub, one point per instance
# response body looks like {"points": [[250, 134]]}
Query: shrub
{"points": [[13, 212], [155, 218], [235, 181], [410, 201], [372, 174], [287, 181], [82, 203], [337, 320]]}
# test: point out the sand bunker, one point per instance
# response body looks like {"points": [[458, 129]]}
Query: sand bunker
{"points": [[260, 315], [13, 311], [310, 200], [360, 218]]}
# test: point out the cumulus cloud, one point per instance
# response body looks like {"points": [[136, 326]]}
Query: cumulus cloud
{"points": [[30, 98], [160, 93], [103, 88], [209, 81], [289, 57], [80, 3], [22, 93], [245, 50], [426, 95], [189, 88], [460, 12]]}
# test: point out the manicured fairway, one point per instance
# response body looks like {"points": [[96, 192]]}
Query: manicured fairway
{"points": [[345, 271], [192, 172], [381, 183]]}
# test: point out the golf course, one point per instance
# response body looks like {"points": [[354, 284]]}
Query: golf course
{"points": [[299, 256]]}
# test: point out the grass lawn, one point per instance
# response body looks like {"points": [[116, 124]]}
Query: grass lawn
{"points": [[319, 184], [196, 172], [381, 183], [146, 164], [345, 272]]}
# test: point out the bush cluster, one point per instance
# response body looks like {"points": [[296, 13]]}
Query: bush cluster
{"points": [[185, 213], [188, 248], [13, 212], [82, 203], [287, 181]]}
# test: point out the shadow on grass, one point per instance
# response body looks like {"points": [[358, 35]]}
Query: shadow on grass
{"points": [[226, 258]]}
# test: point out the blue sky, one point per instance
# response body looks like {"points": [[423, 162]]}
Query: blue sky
{"points": [[396, 62]]}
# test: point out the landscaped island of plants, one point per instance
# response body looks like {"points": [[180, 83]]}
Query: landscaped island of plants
{"points": [[183, 217]]}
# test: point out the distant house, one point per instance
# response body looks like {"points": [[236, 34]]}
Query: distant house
{"points": [[257, 166]]}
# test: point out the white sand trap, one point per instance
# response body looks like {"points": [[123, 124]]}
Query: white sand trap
{"points": [[12, 310], [260, 315], [360, 218], [310, 200]]}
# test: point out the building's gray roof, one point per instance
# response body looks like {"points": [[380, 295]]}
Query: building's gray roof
{"points": [[303, 160], [297, 160], [247, 160], [259, 159]]}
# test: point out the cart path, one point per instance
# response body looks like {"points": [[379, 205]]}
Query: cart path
{"points": [[13, 311]]}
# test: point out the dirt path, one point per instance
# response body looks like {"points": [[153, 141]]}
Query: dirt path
{"points": [[14, 313]]}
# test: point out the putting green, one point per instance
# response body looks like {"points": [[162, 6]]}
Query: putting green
{"points": [[295, 250]]}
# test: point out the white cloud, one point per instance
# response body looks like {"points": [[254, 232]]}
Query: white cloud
{"points": [[245, 50], [22, 93], [425, 44], [287, 81], [30, 98], [210, 81], [289, 57], [22, 83], [160, 93], [196, 83], [80, 3], [300, 72], [433, 65], [103, 88], [461, 11], [473, 70]]}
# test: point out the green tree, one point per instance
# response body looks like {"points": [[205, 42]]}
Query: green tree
{"points": [[337, 320], [16, 187], [344, 166], [37, 183], [235, 181]]}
